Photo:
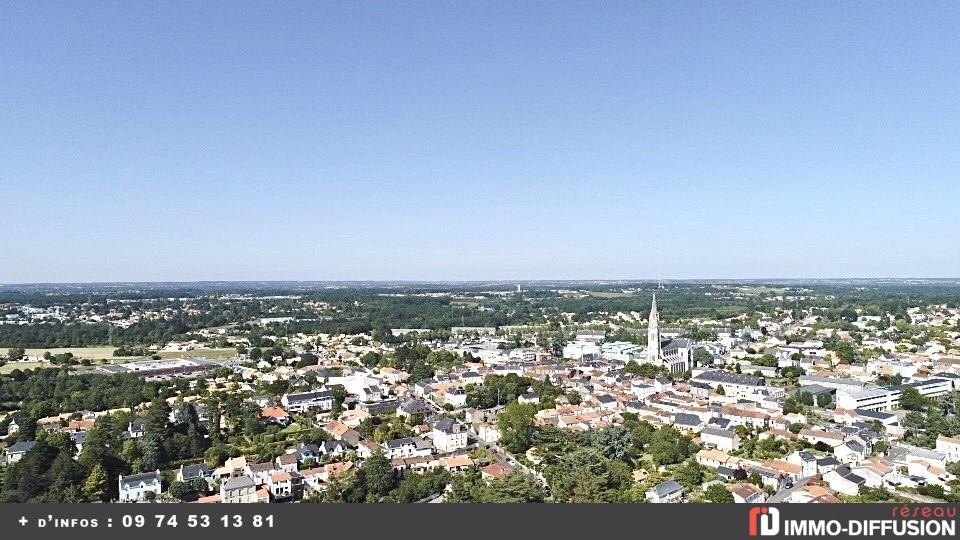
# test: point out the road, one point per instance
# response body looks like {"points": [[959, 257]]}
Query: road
{"points": [[502, 456]]}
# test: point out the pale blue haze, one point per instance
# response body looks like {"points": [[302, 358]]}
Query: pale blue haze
{"points": [[478, 140]]}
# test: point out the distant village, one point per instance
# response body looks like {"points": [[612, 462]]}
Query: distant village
{"points": [[780, 406]]}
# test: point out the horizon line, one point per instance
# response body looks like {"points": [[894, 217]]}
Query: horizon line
{"points": [[480, 280]]}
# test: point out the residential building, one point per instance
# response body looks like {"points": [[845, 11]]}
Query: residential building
{"points": [[240, 489], [668, 492], [138, 487]]}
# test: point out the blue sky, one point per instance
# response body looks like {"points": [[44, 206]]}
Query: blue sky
{"points": [[478, 140]]}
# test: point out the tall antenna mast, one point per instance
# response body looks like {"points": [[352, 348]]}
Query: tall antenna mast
{"points": [[659, 269]]}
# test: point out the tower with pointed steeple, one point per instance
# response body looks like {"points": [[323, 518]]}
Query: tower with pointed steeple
{"points": [[653, 334]]}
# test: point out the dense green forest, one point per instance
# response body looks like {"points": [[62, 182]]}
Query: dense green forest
{"points": [[45, 392]]}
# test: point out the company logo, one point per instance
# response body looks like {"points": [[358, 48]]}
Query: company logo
{"points": [[917, 521], [764, 521]]}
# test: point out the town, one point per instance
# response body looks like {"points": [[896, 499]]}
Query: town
{"points": [[582, 391]]}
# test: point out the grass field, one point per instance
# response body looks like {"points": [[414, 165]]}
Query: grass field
{"points": [[10, 366], [101, 353], [90, 353]]}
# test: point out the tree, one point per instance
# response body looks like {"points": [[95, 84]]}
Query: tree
{"points": [[690, 475], [641, 432], [670, 446], [516, 426], [371, 359], [466, 487], [824, 399], [308, 359], [911, 399], [645, 369], [189, 490], [718, 493], [154, 456], [417, 486], [96, 486], [513, 488], [612, 441], [702, 357], [790, 405], [376, 474], [767, 360], [720, 390], [585, 475], [419, 370]]}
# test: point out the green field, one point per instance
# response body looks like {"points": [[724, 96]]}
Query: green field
{"points": [[90, 353], [10, 366]]}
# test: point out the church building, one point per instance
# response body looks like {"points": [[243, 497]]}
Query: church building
{"points": [[675, 354]]}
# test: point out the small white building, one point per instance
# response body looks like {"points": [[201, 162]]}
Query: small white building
{"points": [[407, 447], [16, 452], [321, 400], [949, 446], [844, 480], [136, 487], [456, 397], [668, 492], [721, 439]]}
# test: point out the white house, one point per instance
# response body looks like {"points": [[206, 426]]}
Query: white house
{"points": [[455, 396], [850, 452], [487, 432], [844, 480], [933, 474], [449, 435], [949, 446], [321, 400], [16, 452], [407, 447], [135, 487], [721, 439], [668, 492], [528, 398]]}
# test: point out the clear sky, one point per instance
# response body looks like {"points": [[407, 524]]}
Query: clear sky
{"points": [[478, 140]]}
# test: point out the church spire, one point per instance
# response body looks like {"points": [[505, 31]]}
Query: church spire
{"points": [[653, 333]]}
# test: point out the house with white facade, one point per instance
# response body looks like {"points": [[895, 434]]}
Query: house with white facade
{"points": [[449, 435], [407, 447], [949, 446], [721, 439], [136, 487]]}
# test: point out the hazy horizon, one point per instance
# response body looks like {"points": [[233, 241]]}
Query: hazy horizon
{"points": [[236, 141], [665, 281]]}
